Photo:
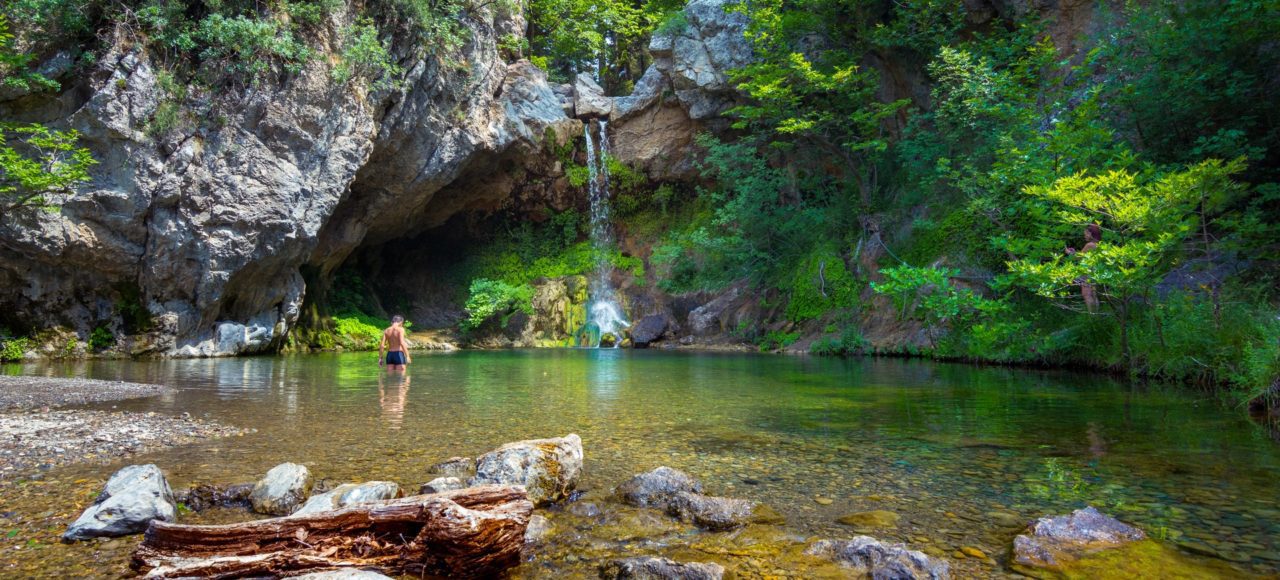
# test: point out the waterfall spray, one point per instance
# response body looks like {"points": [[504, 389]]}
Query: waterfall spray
{"points": [[603, 310]]}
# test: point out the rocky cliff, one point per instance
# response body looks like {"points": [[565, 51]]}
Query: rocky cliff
{"points": [[208, 229]]}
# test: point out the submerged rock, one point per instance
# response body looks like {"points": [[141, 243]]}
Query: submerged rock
{"points": [[442, 484], [349, 494], [282, 490], [720, 513], [461, 467], [875, 559], [653, 568], [657, 488], [1051, 542], [538, 529], [547, 468], [203, 497], [871, 519], [129, 501]]}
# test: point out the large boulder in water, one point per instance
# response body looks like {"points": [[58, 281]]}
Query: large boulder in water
{"points": [[1054, 541], [548, 468], [720, 513], [132, 498], [349, 494], [874, 559], [282, 490], [657, 488], [648, 330], [653, 568]]}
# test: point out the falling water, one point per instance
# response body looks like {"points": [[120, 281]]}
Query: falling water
{"points": [[603, 311]]}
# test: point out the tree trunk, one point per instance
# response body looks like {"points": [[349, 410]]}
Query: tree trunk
{"points": [[466, 533]]}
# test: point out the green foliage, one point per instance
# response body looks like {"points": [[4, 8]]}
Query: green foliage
{"points": [[101, 339], [365, 57], [605, 35], [849, 342], [493, 297], [129, 307], [356, 331], [821, 284], [14, 65], [930, 296], [39, 166], [169, 112], [440, 22], [673, 23], [13, 349], [777, 340], [251, 46]]}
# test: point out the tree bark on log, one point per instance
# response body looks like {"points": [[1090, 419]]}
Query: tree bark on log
{"points": [[466, 533]]}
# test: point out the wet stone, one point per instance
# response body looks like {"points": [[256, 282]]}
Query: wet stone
{"points": [[282, 490], [442, 484], [460, 467], [131, 499], [349, 494], [1051, 541], [876, 559], [656, 488], [871, 519], [548, 468], [720, 513], [652, 568]]}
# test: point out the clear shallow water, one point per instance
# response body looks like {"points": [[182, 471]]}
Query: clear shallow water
{"points": [[958, 452]]}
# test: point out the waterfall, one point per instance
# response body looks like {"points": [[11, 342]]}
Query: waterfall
{"points": [[603, 310]]}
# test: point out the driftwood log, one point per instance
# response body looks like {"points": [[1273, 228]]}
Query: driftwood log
{"points": [[471, 532]]}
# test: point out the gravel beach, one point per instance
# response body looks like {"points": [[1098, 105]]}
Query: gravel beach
{"points": [[33, 437]]}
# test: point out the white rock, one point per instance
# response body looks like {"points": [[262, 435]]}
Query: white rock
{"points": [[132, 498], [282, 490]]}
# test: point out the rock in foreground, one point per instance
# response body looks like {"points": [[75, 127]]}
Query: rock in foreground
{"points": [[1054, 541], [282, 490], [349, 494], [875, 559], [652, 568], [657, 488], [720, 513], [132, 498], [547, 468], [441, 484]]}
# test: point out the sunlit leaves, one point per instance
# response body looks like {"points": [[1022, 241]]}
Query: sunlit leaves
{"points": [[38, 165]]}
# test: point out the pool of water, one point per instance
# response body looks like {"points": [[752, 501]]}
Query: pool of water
{"points": [[961, 453]]}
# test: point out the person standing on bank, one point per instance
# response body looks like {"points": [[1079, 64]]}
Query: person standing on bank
{"points": [[395, 345]]}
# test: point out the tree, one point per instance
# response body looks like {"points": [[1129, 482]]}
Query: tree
{"points": [[1147, 219]]}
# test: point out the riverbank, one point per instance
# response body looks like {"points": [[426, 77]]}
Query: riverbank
{"points": [[35, 437]]}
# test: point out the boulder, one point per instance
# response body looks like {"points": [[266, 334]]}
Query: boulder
{"points": [[653, 568], [711, 317], [589, 99], [462, 467], [874, 559], [657, 488], [648, 330], [720, 513], [132, 498], [350, 494], [282, 490], [548, 468], [442, 484], [1053, 541]]}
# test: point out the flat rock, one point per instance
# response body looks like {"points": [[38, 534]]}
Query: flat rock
{"points": [[871, 519], [653, 568], [874, 559], [538, 529], [1050, 542], [548, 468], [133, 497], [657, 488], [349, 494], [282, 490], [442, 484], [720, 513]]}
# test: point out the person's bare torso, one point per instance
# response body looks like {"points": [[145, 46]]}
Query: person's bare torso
{"points": [[395, 339]]}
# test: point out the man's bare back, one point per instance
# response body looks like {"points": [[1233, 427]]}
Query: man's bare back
{"points": [[395, 345]]}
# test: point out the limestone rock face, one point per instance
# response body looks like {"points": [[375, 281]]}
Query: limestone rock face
{"points": [[1053, 541], [133, 497], [281, 490], [589, 99], [207, 227], [874, 559], [653, 568], [349, 494], [657, 488], [548, 468]]}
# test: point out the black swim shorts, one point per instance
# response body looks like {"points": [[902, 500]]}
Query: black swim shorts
{"points": [[395, 357]]}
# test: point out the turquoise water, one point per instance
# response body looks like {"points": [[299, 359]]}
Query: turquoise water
{"points": [[959, 452]]}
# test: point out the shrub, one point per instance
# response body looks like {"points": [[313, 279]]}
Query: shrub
{"points": [[493, 297], [365, 57], [249, 46], [849, 342], [14, 349], [777, 339], [101, 338]]}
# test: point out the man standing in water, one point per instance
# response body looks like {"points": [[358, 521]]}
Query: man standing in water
{"points": [[1092, 235], [395, 345]]}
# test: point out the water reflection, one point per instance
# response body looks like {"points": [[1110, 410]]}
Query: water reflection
{"points": [[393, 399]]}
